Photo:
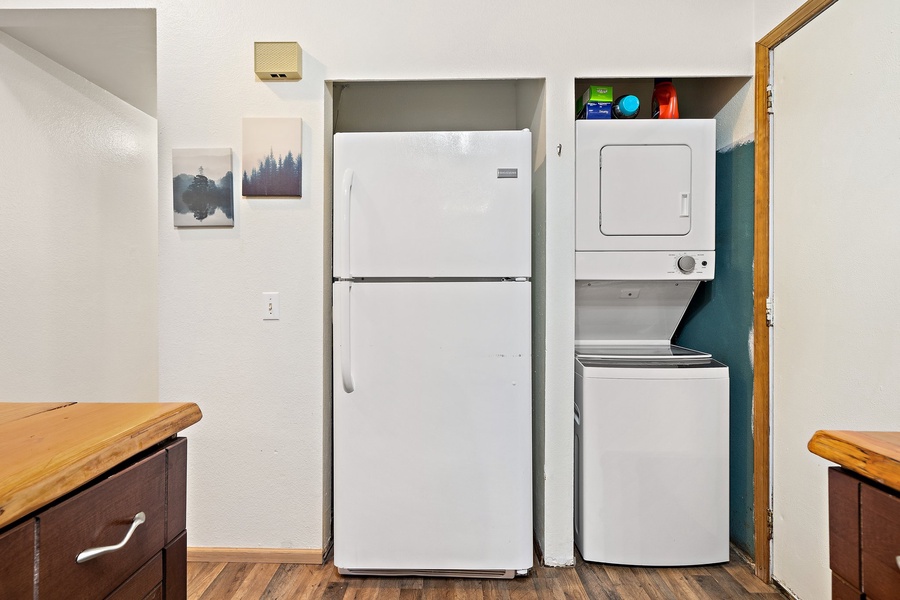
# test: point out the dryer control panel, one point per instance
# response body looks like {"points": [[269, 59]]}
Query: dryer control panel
{"points": [[688, 263], [646, 266]]}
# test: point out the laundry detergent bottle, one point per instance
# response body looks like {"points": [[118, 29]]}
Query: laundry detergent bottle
{"points": [[664, 102]]}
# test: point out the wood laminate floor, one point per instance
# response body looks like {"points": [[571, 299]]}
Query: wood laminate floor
{"points": [[587, 581]]}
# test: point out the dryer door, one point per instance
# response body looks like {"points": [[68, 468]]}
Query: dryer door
{"points": [[645, 185], [645, 190]]}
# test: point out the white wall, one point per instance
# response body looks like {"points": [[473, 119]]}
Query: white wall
{"points": [[735, 124], [256, 458], [768, 14], [836, 282], [78, 237]]}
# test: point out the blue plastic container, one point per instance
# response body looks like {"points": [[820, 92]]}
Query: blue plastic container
{"points": [[626, 107]]}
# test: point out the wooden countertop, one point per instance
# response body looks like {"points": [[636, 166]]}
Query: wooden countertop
{"points": [[49, 450], [872, 454]]}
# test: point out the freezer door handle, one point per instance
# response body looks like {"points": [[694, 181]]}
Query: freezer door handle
{"points": [[345, 223], [344, 300]]}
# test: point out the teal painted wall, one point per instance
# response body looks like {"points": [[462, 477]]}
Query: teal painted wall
{"points": [[720, 319]]}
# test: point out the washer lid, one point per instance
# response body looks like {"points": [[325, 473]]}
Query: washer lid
{"points": [[629, 313], [643, 352], [591, 368]]}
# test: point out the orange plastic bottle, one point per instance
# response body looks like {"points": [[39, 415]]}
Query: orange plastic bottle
{"points": [[664, 101]]}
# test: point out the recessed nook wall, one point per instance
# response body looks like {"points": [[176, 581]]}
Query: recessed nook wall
{"points": [[461, 105], [698, 97], [720, 317]]}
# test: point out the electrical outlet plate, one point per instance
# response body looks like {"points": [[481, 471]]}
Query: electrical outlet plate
{"points": [[271, 308]]}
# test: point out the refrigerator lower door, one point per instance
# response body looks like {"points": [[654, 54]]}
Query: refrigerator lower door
{"points": [[432, 447]]}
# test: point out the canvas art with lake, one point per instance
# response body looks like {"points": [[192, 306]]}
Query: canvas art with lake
{"points": [[202, 187]]}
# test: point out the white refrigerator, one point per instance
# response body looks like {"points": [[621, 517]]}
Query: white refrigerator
{"points": [[432, 353]]}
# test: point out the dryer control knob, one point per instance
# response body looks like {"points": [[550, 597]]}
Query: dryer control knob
{"points": [[686, 264]]}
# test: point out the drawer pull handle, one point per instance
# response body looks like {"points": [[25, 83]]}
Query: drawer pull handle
{"points": [[898, 561], [92, 553]]}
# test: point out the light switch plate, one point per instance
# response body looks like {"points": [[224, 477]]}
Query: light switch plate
{"points": [[271, 308]]}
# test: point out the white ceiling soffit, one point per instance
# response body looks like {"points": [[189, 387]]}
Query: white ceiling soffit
{"points": [[112, 48]]}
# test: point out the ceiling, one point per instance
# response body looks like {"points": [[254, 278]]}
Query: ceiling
{"points": [[113, 48]]}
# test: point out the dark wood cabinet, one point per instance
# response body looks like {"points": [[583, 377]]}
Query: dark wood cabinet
{"points": [[175, 565], [864, 537], [17, 560], [151, 564], [843, 533]]}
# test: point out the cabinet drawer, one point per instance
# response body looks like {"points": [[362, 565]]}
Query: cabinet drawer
{"points": [[841, 590], [880, 541], [175, 561], [17, 561], [101, 515], [143, 584]]}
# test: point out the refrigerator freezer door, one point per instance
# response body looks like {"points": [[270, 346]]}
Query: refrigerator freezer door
{"points": [[432, 204], [432, 448]]}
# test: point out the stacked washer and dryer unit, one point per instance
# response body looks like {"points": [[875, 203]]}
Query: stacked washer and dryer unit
{"points": [[651, 418]]}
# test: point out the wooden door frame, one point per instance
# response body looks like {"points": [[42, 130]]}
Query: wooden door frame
{"points": [[761, 376]]}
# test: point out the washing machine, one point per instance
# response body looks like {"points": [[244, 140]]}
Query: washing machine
{"points": [[651, 418], [651, 431]]}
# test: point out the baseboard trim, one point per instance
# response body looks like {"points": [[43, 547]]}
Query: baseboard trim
{"points": [[302, 556]]}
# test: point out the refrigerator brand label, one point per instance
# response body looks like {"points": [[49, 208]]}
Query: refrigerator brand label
{"points": [[507, 173]]}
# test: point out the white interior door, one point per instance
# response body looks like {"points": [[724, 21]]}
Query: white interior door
{"points": [[432, 447], [836, 152]]}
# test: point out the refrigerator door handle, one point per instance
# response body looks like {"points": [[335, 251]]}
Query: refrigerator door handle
{"points": [[344, 299], [345, 223]]}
